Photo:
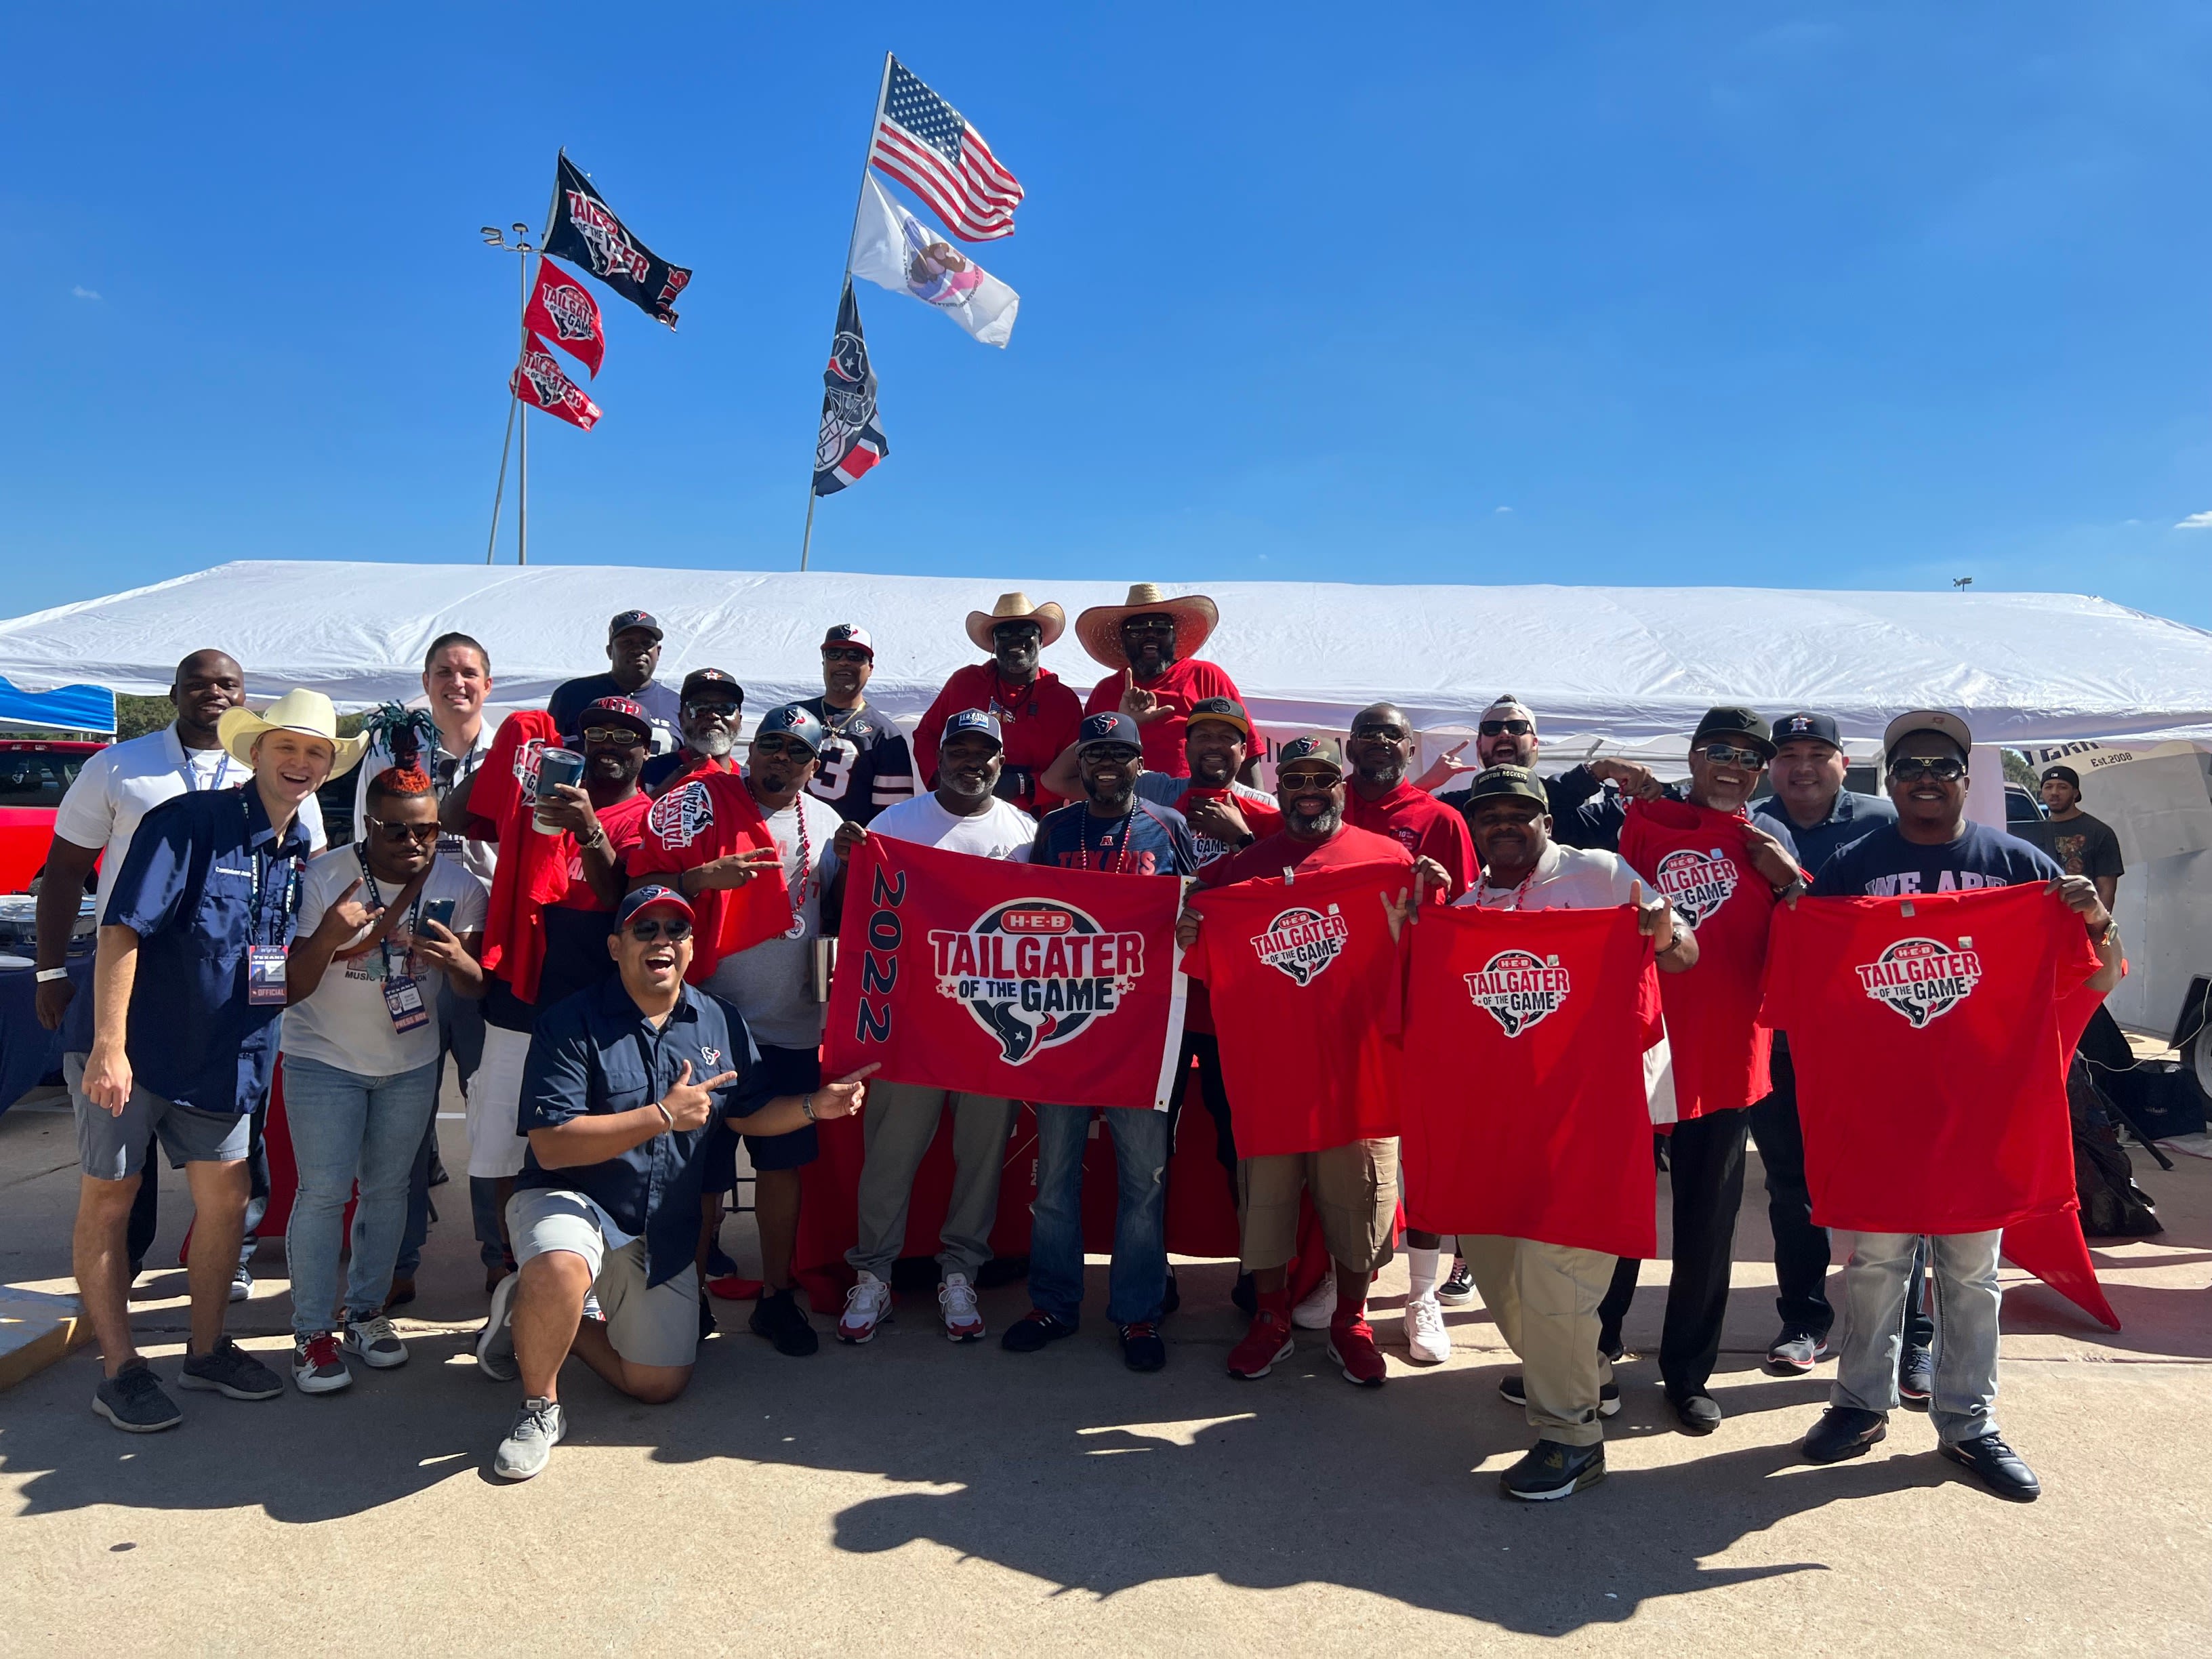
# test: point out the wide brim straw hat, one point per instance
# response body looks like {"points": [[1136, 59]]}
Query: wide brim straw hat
{"points": [[1016, 607], [298, 710], [1099, 629]]}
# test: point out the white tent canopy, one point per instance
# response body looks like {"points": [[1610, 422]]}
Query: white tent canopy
{"points": [[1633, 667]]}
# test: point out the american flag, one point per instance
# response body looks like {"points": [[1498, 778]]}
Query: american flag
{"points": [[922, 142]]}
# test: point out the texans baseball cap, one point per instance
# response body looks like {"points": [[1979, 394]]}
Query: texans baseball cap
{"points": [[617, 710], [1326, 750], [2064, 774], [971, 720], [1227, 710], [628, 619], [796, 721], [712, 679], [1734, 720], [1927, 719], [1803, 727], [1108, 728], [851, 633], [1498, 781], [651, 898]]}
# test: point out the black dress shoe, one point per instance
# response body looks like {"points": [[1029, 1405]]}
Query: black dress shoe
{"points": [[1999, 1467], [1844, 1432], [1698, 1412]]}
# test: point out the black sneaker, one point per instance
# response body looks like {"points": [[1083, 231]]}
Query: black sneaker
{"points": [[1844, 1432], [2000, 1467], [1245, 1296], [1141, 1347], [230, 1371], [780, 1319], [1033, 1330], [1514, 1392], [1797, 1350], [706, 1318], [1552, 1470], [1916, 1379], [133, 1399], [1173, 1297], [1697, 1413], [1457, 1290]]}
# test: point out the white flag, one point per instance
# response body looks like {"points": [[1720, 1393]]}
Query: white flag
{"points": [[895, 250]]}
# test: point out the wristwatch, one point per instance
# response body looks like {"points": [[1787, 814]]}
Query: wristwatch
{"points": [[1796, 887]]}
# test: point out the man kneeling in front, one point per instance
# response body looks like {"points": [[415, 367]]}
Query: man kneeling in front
{"points": [[621, 1085]]}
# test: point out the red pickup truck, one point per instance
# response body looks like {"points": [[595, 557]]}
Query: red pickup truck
{"points": [[35, 773]]}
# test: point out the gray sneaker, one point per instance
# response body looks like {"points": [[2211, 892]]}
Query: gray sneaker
{"points": [[373, 1339], [230, 1371], [539, 1428], [496, 1342], [134, 1402]]}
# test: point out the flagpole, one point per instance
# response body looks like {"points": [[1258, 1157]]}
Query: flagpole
{"points": [[506, 446], [860, 200], [522, 473]]}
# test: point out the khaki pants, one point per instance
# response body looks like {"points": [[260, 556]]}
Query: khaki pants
{"points": [[1545, 1298], [897, 1124], [1355, 1193]]}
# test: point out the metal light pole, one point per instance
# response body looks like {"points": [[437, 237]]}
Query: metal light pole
{"points": [[522, 246]]}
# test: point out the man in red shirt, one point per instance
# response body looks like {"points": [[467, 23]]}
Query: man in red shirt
{"points": [[1037, 715], [1148, 646]]}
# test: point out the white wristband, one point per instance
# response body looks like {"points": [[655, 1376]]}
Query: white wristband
{"points": [[48, 975]]}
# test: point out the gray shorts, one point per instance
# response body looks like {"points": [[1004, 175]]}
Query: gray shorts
{"points": [[111, 1147], [647, 1326]]}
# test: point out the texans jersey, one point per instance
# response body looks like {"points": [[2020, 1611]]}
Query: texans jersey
{"points": [[865, 764]]}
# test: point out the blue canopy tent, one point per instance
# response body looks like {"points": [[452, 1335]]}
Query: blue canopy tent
{"points": [[66, 709]]}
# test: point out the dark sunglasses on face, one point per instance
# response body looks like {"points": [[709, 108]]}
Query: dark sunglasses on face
{"points": [[699, 709], [1947, 769], [1300, 780], [1148, 625], [1728, 754], [618, 737], [649, 928], [1505, 728], [775, 743], [844, 654], [423, 835], [1380, 734], [1017, 633]]}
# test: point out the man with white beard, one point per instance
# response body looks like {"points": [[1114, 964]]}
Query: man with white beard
{"points": [[710, 707]]}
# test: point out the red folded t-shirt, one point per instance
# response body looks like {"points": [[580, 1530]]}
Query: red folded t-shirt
{"points": [[709, 816]]}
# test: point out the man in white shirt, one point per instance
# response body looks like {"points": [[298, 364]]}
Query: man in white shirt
{"points": [[962, 815], [94, 825]]}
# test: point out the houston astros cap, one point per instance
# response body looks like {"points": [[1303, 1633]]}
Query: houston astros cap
{"points": [[1498, 781], [794, 721], [974, 720], [620, 709], [650, 898], [712, 679], [624, 620], [850, 633], [1227, 710], [1325, 751], [1734, 720], [1927, 719], [1803, 727], [1108, 728]]}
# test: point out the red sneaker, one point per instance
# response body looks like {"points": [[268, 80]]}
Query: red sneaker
{"points": [[1268, 1340], [1352, 1345]]}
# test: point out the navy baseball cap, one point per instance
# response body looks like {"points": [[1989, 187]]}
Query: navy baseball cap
{"points": [[708, 680], [1108, 728], [628, 619], [972, 720], [796, 722], [651, 898], [1809, 727]]}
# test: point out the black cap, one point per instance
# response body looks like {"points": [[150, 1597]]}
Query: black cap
{"points": [[701, 678], [1108, 728], [624, 620], [2064, 774], [1734, 721], [1803, 725], [1220, 709], [1508, 780]]}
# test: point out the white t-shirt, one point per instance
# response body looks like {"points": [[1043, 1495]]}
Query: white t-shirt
{"points": [[772, 985], [125, 780], [1000, 831], [447, 770], [346, 1023]]}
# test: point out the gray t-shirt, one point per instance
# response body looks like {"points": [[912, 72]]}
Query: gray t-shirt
{"points": [[771, 984]]}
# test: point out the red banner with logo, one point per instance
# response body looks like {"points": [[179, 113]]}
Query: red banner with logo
{"points": [[537, 379], [562, 312], [959, 972]]}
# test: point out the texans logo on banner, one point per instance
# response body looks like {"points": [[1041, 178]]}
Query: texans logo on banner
{"points": [[611, 253], [1034, 973], [574, 317], [1697, 883], [1923, 978], [1302, 943], [525, 769], [1519, 989], [678, 816]]}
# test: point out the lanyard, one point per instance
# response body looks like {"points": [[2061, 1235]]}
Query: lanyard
{"points": [[192, 774], [261, 861], [414, 915]]}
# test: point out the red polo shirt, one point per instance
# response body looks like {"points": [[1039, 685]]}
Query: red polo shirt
{"points": [[1420, 822]]}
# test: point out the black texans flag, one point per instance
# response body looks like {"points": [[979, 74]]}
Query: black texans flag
{"points": [[851, 441], [587, 232]]}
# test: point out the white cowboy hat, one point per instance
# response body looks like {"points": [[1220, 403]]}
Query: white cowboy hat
{"points": [[1099, 629], [295, 711], [1016, 607]]}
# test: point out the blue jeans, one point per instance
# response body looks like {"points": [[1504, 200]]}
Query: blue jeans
{"points": [[1139, 1279], [461, 1034], [347, 1129], [1878, 1274]]}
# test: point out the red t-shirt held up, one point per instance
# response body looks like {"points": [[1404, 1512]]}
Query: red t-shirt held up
{"points": [[1183, 684], [1422, 825], [1931, 1038], [1695, 858], [1526, 1114], [708, 816], [1305, 983]]}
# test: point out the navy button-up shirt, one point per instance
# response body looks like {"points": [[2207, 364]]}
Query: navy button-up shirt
{"points": [[206, 876], [1850, 817], [596, 1053]]}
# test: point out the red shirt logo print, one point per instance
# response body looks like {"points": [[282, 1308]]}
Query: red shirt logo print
{"points": [[679, 817], [1922, 978], [1696, 884], [1519, 989], [1034, 973], [1302, 943]]}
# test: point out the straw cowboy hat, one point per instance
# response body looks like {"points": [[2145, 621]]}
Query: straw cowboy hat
{"points": [[295, 711], [1099, 629], [1016, 607]]}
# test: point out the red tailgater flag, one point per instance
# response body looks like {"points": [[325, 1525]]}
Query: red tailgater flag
{"points": [[537, 379], [562, 311], [1930, 1036], [1525, 1113], [1304, 983], [958, 972], [709, 816]]}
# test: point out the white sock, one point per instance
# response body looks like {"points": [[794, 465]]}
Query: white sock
{"points": [[1421, 1271]]}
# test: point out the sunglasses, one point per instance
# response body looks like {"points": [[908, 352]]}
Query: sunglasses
{"points": [[1148, 625], [1728, 754], [618, 737], [1011, 633], [650, 928], [777, 743], [845, 653], [1947, 768], [1307, 780], [1380, 733], [700, 709], [1506, 728], [423, 835]]}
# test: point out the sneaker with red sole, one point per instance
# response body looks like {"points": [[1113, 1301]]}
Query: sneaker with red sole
{"points": [[1268, 1341], [1352, 1345]]}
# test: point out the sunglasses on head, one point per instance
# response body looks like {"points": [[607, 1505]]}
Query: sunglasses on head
{"points": [[423, 835], [1506, 728], [1947, 769], [646, 929], [620, 737], [1729, 754], [844, 654]]}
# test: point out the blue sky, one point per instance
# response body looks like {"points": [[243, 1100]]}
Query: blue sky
{"points": [[1852, 296]]}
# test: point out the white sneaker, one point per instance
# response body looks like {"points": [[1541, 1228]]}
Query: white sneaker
{"points": [[867, 1304], [375, 1341], [496, 1342], [1426, 1339], [316, 1366], [539, 1426], [963, 1320], [1319, 1308]]}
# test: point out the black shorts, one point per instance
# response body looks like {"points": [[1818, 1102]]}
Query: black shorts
{"points": [[785, 1072]]}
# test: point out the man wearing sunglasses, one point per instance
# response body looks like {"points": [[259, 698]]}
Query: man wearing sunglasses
{"points": [[865, 764], [1506, 736], [712, 705], [1932, 848], [1037, 715], [622, 1083]]}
